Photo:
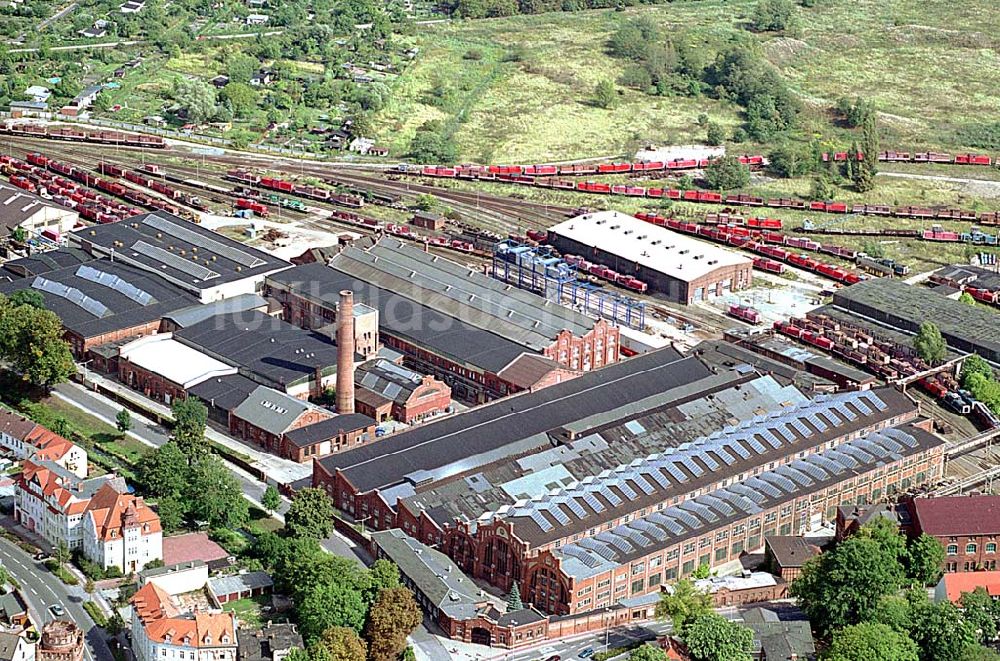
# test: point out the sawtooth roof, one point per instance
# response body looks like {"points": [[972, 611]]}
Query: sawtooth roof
{"points": [[689, 519]]}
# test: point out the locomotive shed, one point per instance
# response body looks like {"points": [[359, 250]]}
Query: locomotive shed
{"points": [[676, 267]]}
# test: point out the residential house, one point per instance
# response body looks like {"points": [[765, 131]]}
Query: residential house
{"points": [[261, 78], [53, 502], [19, 109], [220, 81], [257, 19], [26, 439], [161, 630], [14, 611], [952, 586], [37, 93], [121, 530], [132, 7], [15, 647]]}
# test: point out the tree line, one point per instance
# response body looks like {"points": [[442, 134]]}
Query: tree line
{"points": [[31, 340]]}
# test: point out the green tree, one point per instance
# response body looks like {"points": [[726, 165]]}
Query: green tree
{"points": [[326, 605], [683, 604], [514, 598], [115, 624], [888, 536], [4, 579], [773, 15], [843, 586], [394, 616], [214, 495], [172, 512], [979, 609], [123, 421], [62, 553], [241, 67], [647, 653], [20, 235], [605, 94], [310, 515], [163, 472], [382, 575], [190, 418], [790, 160], [704, 570], [61, 426], [195, 97], [711, 637], [924, 559], [941, 632], [727, 173], [339, 644], [869, 641], [714, 134], [929, 344], [633, 38], [865, 169], [271, 500], [241, 97], [29, 297], [966, 297], [873, 248], [433, 144], [822, 189], [974, 364], [31, 341]]}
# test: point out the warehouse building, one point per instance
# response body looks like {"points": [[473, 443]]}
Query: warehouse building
{"points": [[592, 493], [387, 391], [208, 264], [267, 350], [674, 266], [971, 329], [100, 301], [164, 369], [33, 214], [447, 320]]}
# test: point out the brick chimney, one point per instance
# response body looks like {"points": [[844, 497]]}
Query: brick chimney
{"points": [[345, 353]]}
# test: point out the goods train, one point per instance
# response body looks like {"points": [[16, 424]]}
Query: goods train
{"points": [[916, 157], [76, 135], [766, 242], [710, 197], [302, 190], [576, 169], [601, 272]]}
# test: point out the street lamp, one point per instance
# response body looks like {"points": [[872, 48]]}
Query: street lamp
{"points": [[362, 522], [607, 628]]}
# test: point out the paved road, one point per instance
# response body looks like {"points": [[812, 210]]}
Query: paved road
{"points": [[42, 589], [55, 17], [155, 435]]}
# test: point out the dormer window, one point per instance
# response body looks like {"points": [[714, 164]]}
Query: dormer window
{"points": [[207, 639], [225, 640]]}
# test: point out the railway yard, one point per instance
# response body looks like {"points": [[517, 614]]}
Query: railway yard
{"points": [[802, 251]]}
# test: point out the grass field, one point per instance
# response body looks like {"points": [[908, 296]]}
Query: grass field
{"points": [[930, 68]]}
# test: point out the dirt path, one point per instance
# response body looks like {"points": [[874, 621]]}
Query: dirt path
{"points": [[977, 187]]}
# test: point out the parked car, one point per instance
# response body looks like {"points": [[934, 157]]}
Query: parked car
{"points": [[587, 653], [57, 610]]}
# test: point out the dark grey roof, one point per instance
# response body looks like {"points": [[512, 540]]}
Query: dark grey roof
{"points": [[331, 428], [9, 642], [457, 290], [224, 392], [102, 296], [197, 313], [253, 580], [973, 276], [270, 410], [965, 327], [780, 640], [420, 325], [789, 551], [261, 645], [431, 572], [43, 262], [516, 424], [185, 253], [391, 381], [266, 349], [18, 205]]}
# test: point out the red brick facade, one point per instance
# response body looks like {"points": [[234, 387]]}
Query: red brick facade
{"points": [[493, 553], [150, 384], [967, 526]]}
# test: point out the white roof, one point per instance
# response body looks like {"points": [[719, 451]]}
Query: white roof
{"points": [[176, 362], [657, 248]]}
